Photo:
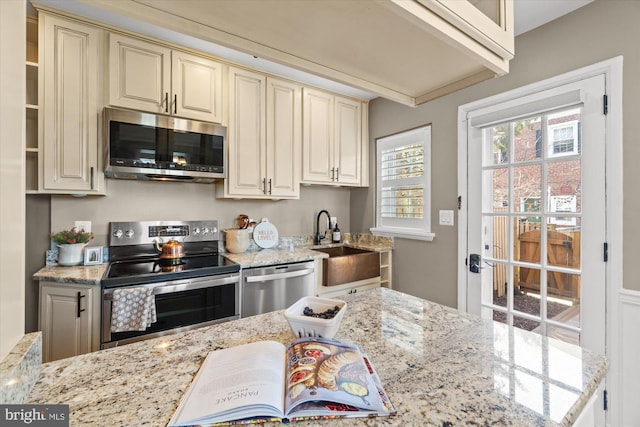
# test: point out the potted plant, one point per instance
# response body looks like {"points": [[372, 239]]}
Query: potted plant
{"points": [[71, 244]]}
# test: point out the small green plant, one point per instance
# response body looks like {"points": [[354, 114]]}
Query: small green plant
{"points": [[69, 237]]}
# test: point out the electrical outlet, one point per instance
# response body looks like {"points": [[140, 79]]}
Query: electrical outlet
{"points": [[334, 220], [83, 225]]}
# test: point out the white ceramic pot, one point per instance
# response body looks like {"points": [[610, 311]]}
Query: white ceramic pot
{"points": [[69, 255], [237, 240]]}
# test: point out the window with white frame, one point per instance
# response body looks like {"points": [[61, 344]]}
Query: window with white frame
{"points": [[403, 185], [563, 139]]}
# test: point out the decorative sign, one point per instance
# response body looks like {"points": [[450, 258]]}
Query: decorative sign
{"points": [[265, 234]]}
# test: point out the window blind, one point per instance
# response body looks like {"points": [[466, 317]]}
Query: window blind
{"points": [[402, 192]]}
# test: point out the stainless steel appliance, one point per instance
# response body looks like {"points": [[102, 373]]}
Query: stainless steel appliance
{"points": [[199, 288], [157, 147], [276, 287]]}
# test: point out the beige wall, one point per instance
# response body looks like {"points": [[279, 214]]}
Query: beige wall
{"points": [[12, 181], [155, 201], [601, 30], [150, 201]]}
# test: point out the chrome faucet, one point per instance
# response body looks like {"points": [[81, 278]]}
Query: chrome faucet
{"points": [[319, 237]]}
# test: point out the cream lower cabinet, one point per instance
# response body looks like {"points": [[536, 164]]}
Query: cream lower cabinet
{"points": [[264, 137], [348, 288], [334, 150], [70, 75], [151, 77], [69, 318]]}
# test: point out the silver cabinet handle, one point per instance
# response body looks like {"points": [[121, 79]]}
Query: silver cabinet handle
{"points": [[337, 175], [269, 185], [266, 277]]}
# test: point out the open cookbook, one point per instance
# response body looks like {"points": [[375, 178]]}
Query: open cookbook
{"points": [[310, 378]]}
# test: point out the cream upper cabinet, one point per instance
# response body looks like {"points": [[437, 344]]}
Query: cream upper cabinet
{"points": [[284, 138], [332, 151], [264, 135], [70, 72], [197, 87], [150, 77], [347, 140]]}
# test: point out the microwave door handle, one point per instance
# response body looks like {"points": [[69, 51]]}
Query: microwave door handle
{"points": [[265, 277]]}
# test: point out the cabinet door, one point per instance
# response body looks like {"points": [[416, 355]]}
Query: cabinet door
{"points": [[66, 317], [139, 74], [246, 133], [317, 137], [347, 140], [284, 138], [71, 69], [197, 87]]}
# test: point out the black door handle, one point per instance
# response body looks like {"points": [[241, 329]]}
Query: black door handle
{"points": [[474, 263]]}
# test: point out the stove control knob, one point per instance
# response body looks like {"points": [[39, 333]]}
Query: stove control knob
{"points": [[129, 233], [196, 231], [206, 230], [117, 234]]}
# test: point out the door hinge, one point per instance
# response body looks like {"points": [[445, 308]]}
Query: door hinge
{"points": [[459, 202], [605, 400], [606, 252], [605, 104]]}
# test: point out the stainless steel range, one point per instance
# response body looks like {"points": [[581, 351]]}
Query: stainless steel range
{"points": [[148, 291]]}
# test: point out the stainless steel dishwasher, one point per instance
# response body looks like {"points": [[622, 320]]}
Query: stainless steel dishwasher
{"points": [[266, 289]]}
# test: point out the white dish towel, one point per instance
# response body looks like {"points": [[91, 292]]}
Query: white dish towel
{"points": [[133, 309]]}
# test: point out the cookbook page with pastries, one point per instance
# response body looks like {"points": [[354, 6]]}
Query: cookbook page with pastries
{"points": [[243, 382], [329, 378]]}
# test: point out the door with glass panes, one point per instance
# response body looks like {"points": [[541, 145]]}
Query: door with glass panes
{"points": [[536, 213]]}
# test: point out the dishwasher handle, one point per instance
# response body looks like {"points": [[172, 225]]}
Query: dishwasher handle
{"points": [[264, 277]]}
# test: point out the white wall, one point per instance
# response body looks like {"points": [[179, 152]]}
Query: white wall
{"points": [[12, 178]]}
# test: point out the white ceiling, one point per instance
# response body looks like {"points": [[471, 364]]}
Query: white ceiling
{"points": [[529, 14]]}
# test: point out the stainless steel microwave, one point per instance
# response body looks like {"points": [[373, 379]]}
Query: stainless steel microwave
{"points": [[157, 147]]}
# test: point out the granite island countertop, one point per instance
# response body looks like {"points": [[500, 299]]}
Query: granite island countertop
{"points": [[439, 367]]}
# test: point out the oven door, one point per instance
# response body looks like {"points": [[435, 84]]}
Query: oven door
{"points": [[180, 305]]}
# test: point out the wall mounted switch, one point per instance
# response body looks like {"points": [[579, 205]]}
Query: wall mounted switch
{"points": [[446, 218], [83, 225]]}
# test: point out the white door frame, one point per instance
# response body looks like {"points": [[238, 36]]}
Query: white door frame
{"points": [[612, 69]]}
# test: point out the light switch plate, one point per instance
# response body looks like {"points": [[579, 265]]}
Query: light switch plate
{"points": [[446, 218], [86, 225]]}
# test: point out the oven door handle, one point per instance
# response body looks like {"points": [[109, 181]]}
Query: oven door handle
{"points": [[266, 277], [186, 286]]}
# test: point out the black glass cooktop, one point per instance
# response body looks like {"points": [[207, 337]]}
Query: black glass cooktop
{"points": [[134, 272]]}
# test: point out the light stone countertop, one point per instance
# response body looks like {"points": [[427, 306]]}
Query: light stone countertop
{"points": [[93, 274], [88, 275], [439, 367], [274, 256]]}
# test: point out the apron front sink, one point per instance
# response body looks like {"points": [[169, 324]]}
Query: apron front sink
{"points": [[346, 265]]}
